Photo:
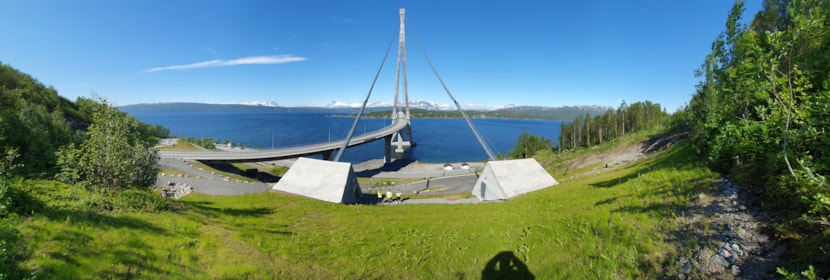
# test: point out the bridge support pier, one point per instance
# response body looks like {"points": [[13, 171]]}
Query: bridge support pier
{"points": [[402, 139], [387, 149]]}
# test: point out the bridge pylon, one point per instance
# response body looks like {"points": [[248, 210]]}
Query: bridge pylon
{"points": [[403, 138]]}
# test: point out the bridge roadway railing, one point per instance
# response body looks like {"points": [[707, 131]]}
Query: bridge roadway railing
{"points": [[289, 152]]}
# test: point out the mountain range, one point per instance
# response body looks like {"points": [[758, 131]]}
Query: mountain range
{"points": [[509, 111]]}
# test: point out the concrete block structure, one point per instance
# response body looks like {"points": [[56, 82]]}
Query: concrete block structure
{"points": [[505, 179], [321, 179]]}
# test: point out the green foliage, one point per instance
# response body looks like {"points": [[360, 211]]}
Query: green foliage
{"points": [[587, 131], [6, 194], [10, 242], [113, 158], [760, 113], [33, 120], [809, 274], [37, 122], [131, 200], [528, 145]]}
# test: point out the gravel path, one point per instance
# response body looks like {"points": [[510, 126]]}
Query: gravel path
{"points": [[720, 237]]}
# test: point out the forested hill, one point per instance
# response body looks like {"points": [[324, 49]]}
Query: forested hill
{"points": [[34, 119], [35, 122], [556, 113], [179, 107], [518, 112]]}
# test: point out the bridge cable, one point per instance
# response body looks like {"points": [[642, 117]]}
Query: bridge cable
{"points": [[363, 108], [457, 106], [487, 138]]}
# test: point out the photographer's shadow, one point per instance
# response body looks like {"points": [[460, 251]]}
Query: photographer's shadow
{"points": [[505, 265]]}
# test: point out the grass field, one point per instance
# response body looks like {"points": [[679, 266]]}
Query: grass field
{"points": [[616, 224]]}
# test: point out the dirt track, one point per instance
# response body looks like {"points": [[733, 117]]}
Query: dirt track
{"points": [[624, 154]]}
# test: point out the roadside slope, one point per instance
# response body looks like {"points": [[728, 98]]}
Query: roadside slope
{"points": [[620, 223]]}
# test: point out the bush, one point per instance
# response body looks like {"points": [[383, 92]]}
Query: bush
{"points": [[130, 200], [528, 145], [10, 244], [113, 158]]}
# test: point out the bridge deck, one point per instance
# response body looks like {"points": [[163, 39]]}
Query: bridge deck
{"points": [[398, 124]]}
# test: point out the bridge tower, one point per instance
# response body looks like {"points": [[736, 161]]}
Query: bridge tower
{"points": [[403, 138]]}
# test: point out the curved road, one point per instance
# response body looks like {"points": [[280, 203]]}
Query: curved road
{"points": [[292, 152], [207, 182]]}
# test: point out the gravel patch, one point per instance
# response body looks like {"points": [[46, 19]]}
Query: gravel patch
{"points": [[721, 237]]}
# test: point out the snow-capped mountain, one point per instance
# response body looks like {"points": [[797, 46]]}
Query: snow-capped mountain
{"points": [[263, 104], [338, 104], [421, 104]]}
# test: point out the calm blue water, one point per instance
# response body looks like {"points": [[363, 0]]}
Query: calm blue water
{"points": [[437, 140]]}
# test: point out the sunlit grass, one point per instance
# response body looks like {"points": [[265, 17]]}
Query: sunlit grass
{"points": [[615, 224], [386, 182], [182, 146], [206, 167], [174, 172]]}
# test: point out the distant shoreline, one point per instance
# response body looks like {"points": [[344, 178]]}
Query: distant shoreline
{"points": [[561, 113], [449, 118]]}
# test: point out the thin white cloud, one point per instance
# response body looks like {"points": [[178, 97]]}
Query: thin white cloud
{"points": [[268, 59]]}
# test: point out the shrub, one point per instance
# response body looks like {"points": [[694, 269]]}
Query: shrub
{"points": [[140, 201]]}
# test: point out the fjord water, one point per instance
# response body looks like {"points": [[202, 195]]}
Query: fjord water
{"points": [[437, 140]]}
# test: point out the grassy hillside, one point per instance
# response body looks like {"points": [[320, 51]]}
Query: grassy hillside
{"points": [[612, 225]]}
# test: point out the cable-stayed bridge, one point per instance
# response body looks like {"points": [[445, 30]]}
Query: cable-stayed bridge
{"points": [[397, 135], [326, 149]]}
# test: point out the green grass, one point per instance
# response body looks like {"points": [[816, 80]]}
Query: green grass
{"points": [[235, 176], [617, 224], [385, 183], [277, 170], [182, 145], [175, 172]]}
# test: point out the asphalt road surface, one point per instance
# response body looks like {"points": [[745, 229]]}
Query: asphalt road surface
{"points": [[207, 182]]}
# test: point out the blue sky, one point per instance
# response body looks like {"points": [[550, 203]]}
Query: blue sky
{"points": [[298, 53]]}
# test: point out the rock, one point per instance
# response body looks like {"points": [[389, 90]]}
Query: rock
{"points": [[736, 270], [724, 253], [741, 232], [176, 190], [736, 248], [720, 260]]}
